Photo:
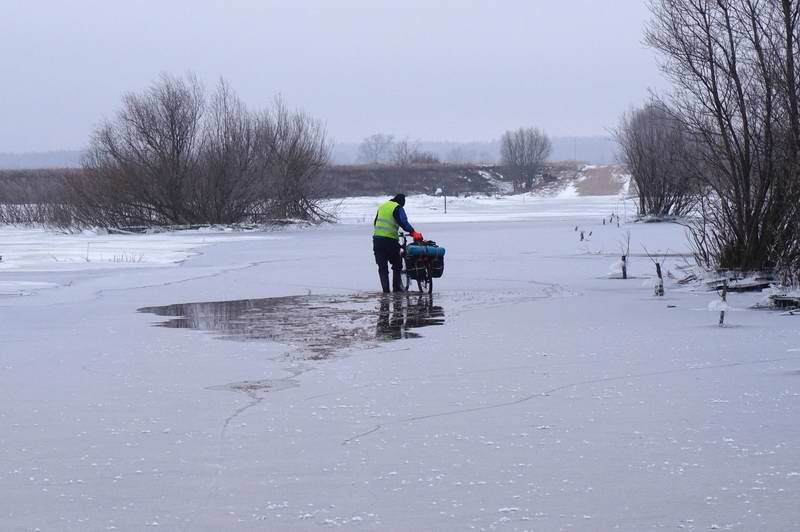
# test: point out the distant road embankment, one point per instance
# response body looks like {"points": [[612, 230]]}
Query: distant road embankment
{"points": [[376, 180]]}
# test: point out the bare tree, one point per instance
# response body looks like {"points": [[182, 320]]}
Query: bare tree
{"points": [[523, 153], [376, 149], [732, 63], [405, 151], [656, 148], [424, 158]]}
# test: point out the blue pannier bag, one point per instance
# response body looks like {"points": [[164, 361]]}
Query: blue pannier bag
{"points": [[420, 254], [425, 249]]}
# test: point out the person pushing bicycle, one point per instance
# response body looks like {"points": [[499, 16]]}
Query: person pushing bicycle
{"points": [[386, 240]]}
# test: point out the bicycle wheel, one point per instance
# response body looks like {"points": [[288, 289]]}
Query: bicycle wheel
{"points": [[430, 280], [406, 278], [425, 282]]}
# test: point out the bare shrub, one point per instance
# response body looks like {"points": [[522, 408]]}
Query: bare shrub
{"points": [[422, 158], [408, 153], [34, 197], [657, 150]]}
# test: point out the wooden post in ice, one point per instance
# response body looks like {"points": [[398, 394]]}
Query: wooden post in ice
{"points": [[625, 250], [444, 193], [724, 296], [660, 282]]}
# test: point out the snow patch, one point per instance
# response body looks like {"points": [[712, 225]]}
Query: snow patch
{"points": [[40, 250], [503, 187]]}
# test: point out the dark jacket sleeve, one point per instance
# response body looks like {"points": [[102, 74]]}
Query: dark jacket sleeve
{"points": [[402, 219]]}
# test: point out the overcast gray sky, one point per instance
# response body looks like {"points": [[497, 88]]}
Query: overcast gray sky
{"points": [[429, 69]]}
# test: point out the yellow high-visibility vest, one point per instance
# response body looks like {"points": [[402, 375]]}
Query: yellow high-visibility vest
{"points": [[385, 224]]}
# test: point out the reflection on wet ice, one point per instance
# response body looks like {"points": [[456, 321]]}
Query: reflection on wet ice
{"points": [[397, 315], [317, 326]]}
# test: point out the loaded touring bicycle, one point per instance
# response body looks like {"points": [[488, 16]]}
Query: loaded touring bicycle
{"points": [[423, 262]]}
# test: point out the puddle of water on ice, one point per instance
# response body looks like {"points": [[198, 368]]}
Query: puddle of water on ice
{"points": [[316, 326]]}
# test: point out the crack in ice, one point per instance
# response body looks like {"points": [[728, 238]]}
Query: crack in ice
{"points": [[551, 391]]}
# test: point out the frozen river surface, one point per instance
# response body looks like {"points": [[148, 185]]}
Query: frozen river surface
{"points": [[262, 384]]}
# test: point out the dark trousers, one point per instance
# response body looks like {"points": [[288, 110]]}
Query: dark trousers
{"points": [[387, 251]]}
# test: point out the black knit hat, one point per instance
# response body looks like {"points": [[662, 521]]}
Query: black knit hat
{"points": [[400, 199]]}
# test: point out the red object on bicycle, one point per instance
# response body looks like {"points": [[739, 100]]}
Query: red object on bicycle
{"points": [[416, 236]]}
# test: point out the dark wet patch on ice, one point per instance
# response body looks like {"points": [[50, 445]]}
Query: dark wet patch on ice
{"points": [[316, 326], [258, 386]]}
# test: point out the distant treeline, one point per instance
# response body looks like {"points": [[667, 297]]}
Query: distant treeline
{"points": [[590, 150]]}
